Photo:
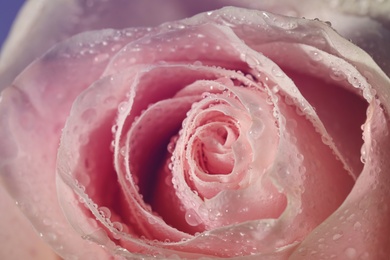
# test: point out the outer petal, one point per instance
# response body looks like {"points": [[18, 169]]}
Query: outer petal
{"points": [[42, 23], [366, 23], [360, 228], [17, 239], [33, 112]]}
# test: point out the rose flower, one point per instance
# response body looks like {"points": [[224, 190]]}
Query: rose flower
{"points": [[235, 133]]}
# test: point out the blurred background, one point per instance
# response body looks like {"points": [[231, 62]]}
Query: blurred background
{"points": [[8, 11]]}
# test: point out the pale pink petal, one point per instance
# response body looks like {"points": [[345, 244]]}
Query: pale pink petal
{"points": [[42, 23], [359, 228], [18, 239], [33, 117], [33, 113], [365, 23]]}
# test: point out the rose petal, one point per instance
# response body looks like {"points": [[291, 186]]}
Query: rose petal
{"points": [[18, 240], [359, 228], [28, 124], [276, 28], [42, 23]]}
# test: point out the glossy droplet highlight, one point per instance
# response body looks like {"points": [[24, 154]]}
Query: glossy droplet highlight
{"points": [[277, 72], [192, 218], [122, 107], [315, 55], [337, 236], [336, 74], [101, 57], [350, 253], [256, 130], [104, 212]]}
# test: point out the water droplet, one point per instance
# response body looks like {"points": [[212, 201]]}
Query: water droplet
{"points": [[315, 55], [277, 72], [118, 226], [115, 47], [122, 151], [192, 218], [350, 252], [198, 63], [357, 225], [206, 94], [336, 74], [363, 154], [88, 115], [51, 236], [337, 236], [364, 256], [104, 212], [47, 222], [252, 61], [112, 146], [354, 81], [83, 139], [256, 130], [122, 107], [114, 128], [152, 220], [101, 57]]}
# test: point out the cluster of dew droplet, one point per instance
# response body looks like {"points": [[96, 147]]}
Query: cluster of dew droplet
{"points": [[335, 236]]}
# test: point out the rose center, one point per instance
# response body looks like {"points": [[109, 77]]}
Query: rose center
{"points": [[212, 147]]}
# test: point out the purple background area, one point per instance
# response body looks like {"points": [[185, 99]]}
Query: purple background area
{"points": [[8, 11]]}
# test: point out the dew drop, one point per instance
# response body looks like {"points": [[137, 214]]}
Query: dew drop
{"points": [[336, 74], [365, 256], [101, 57], [337, 236], [206, 94], [256, 130], [198, 63], [122, 107], [315, 55], [152, 220], [118, 226], [51, 236], [350, 252], [354, 81], [192, 218], [114, 128], [363, 154], [112, 146], [88, 115], [115, 47], [104, 212], [122, 151], [47, 222], [83, 139], [252, 62], [357, 225], [277, 72]]}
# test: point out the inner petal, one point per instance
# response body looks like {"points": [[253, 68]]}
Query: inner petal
{"points": [[216, 144]]}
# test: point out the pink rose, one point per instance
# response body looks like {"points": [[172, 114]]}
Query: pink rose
{"points": [[234, 133]]}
